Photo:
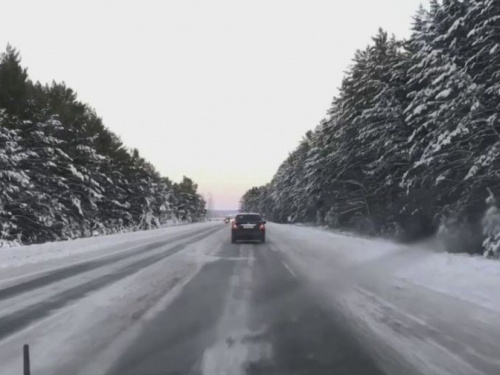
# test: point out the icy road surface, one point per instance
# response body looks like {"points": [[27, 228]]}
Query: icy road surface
{"points": [[184, 300]]}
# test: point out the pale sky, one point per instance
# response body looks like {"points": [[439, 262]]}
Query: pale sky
{"points": [[217, 90]]}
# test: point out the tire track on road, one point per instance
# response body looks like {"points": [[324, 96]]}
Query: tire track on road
{"points": [[64, 273], [18, 320], [305, 337], [175, 340]]}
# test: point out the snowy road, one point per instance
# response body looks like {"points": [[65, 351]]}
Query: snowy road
{"points": [[184, 300]]}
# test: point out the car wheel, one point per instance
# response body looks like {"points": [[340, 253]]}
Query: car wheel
{"points": [[233, 240], [263, 239]]}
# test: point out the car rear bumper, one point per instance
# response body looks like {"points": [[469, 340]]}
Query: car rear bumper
{"points": [[245, 234]]}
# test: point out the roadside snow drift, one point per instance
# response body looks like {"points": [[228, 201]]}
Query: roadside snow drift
{"points": [[417, 310]]}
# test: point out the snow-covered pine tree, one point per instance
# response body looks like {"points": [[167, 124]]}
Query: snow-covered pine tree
{"points": [[426, 118], [188, 204], [13, 83], [249, 201], [320, 169], [13, 181], [281, 190], [369, 127], [64, 175], [483, 66], [438, 115], [382, 129], [491, 227], [288, 189], [345, 193]]}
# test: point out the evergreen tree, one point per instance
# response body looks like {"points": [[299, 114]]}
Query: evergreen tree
{"points": [[13, 83], [64, 175], [412, 142]]}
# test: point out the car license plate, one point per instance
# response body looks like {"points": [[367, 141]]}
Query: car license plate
{"points": [[248, 226]]}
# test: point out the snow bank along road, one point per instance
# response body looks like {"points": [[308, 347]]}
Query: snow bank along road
{"points": [[184, 300]]}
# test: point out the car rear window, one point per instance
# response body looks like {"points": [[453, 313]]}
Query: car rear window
{"points": [[248, 218]]}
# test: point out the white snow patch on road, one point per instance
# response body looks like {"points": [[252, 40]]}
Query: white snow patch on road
{"points": [[234, 349], [289, 269]]}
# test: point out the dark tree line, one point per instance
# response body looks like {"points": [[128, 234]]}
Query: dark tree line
{"points": [[63, 174], [411, 144]]}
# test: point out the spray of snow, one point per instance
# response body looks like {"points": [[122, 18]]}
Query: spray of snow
{"points": [[413, 307], [491, 228]]}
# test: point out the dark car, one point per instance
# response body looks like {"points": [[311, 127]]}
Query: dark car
{"points": [[248, 226]]}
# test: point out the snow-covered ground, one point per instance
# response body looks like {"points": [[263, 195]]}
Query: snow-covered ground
{"points": [[24, 260], [435, 311], [469, 277], [20, 255]]}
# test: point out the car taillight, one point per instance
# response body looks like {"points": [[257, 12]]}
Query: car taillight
{"points": [[262, 227], [235, 226]]}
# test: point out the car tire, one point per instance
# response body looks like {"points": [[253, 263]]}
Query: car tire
{"points": [[263, 239], [233, 240]]}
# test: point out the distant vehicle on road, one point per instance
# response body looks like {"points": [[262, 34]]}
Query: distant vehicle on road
{"points": [[248, 226], [227, 219]]}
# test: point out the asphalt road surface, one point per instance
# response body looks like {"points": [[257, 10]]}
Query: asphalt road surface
{"points": [[243, 312], [246, 313], [185, 300]]}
